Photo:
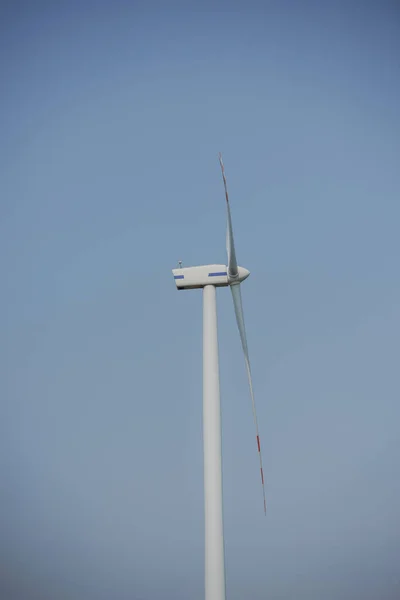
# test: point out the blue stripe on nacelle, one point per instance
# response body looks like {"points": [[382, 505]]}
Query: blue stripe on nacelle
{"points": [[179, 277], [220, 274]]}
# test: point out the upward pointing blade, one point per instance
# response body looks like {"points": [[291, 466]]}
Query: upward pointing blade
{"points": [[230, 246], [237, 301]]}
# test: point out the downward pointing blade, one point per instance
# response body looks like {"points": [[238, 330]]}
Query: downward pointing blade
{"points": [[237, 301], [230, 246]]}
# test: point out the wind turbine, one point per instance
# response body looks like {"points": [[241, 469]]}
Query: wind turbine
{"points": [[209, 277]]}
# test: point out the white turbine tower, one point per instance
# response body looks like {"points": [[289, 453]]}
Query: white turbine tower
{"points": [[209, 277]]}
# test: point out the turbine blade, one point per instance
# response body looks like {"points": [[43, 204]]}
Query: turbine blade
{"points": [[237, 302], [230, 245]]}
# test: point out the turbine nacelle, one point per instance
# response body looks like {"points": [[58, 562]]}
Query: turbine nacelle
{"points": [[191, 278]]}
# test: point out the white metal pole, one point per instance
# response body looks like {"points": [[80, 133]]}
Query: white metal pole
{"points": [[214, 535]]}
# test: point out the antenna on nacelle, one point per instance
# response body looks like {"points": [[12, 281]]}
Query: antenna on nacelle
{"points": [[180, 264]]}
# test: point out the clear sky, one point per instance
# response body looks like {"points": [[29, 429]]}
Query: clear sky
{"points": [[112, 115]]}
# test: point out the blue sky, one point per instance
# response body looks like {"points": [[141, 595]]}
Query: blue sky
{"points": [[112, 116]]}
